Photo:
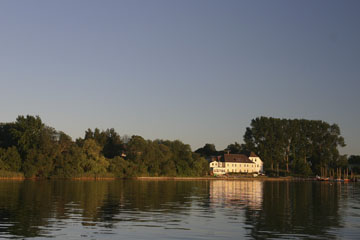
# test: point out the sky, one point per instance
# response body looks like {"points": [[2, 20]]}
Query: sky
{"points": [[197, 71]]}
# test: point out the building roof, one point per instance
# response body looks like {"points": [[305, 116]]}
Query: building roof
{"points": [[240, 158]]}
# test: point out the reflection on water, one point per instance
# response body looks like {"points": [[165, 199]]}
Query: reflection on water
{"points": [[133, 209], [298, 209], [237, 193]]}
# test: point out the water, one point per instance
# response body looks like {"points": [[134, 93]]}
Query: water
{"points": [[135, 209]]}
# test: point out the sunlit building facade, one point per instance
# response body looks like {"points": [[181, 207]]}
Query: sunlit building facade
{"points": [[236, 163]]}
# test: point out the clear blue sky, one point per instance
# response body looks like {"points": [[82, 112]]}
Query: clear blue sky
{"points": [[197, 71]]}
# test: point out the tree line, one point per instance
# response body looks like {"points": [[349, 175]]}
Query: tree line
{"points": [[31, 148], [291, 146]]}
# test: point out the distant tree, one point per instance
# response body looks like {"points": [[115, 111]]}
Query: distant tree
{"points": [[354, 162], [68, 161], [354, 159], [113, 144], [207, 151], [36, 143], [94, 161], [27, 133], [235, 148], [301, 167], [303, 143], [10, 158], [342, 162], [7, 138], [200, 166], [109, 141], [121, 168]]}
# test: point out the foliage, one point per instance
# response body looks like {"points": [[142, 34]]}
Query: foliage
{"points": [[109, 141], [236, 148], [354, 162], [354, 159], [10, 159], [304, 145], [207, 151], [298, 146], [301, 167], [29, 147], [94, 161]]}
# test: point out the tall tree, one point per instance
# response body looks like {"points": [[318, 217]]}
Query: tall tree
{"points": [[208, 150], [303, 143]]}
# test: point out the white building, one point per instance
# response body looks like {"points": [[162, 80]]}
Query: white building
{"points": [[236, 163]]}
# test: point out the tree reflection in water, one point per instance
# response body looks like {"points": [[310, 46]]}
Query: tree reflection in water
{"points": [[274, 209], [299, 209], [27, 207], [253, 209]]}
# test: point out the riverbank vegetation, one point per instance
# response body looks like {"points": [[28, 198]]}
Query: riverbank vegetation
{"points": [[29, 148]]}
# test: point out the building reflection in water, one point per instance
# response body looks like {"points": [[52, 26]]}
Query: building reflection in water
{"points": [[237, 193]]}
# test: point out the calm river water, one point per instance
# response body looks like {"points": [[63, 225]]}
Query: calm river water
{"points": [[139, 209]]}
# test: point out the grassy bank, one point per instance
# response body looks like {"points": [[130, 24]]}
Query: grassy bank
{"points": [[11, 175]]}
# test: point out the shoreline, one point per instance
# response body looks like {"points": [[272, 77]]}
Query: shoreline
{"points": [[208, 178], [225, 178], [12, 178], [163, 179]]}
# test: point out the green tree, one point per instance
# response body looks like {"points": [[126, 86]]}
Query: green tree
{"points": [[10, 159], [354, 162], [113, 145], [207, 151], [94, 162], [303, 143], [235, 148], [121, 168], [354, 159], [68, 161], [36, 144]]}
